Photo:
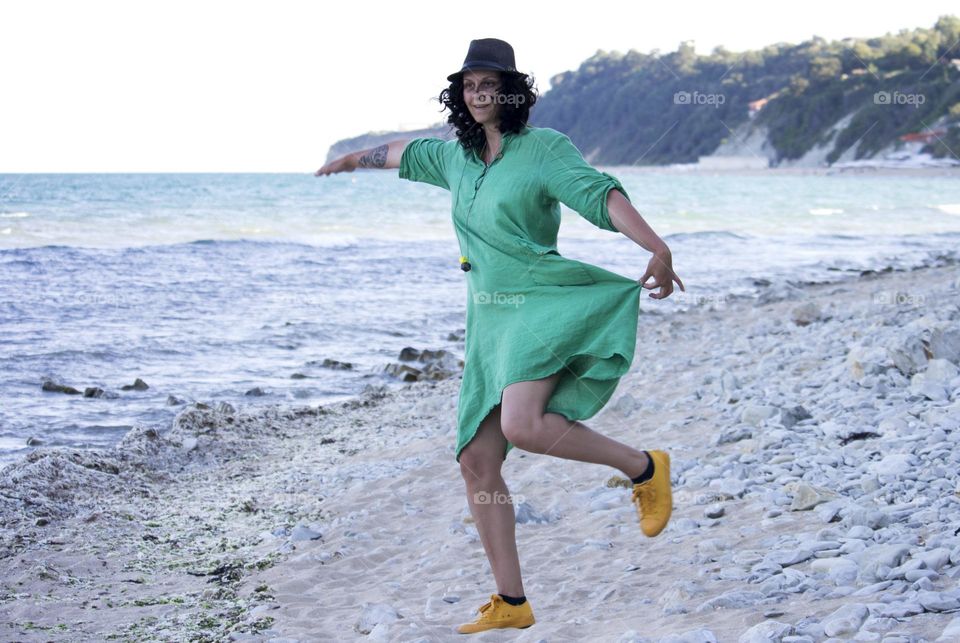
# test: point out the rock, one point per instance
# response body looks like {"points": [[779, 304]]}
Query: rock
{"points": [[945, 342], [373, 614], [766, 632], [873, 559], [867, 360], [860, 532], [699, 635], [302, 532], [951, 633], [790, 416], [255, 392], [806, 313], [845, 621], [626, 404], [735, 598], [894, 465], [938, 601], [728, 387], [526, 514], [138, 385], [807, 496], [787, 557], [174, 401], [733, 434], [908, 355], [872, 518], [728, 488], [934, 559], [93, 391], [755, 414], [334, 364], [715, 510], [934, 382], [841, 571], [53, 387], [188, 444]]}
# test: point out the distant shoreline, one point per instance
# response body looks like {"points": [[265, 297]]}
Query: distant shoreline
{"points": [[947, 172]]}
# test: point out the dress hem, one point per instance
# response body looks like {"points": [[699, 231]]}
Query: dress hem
{"points": [[526, 378]]}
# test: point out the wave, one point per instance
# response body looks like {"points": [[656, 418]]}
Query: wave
{"points": [[706, 234], [948, 208], [14, 215], [824, 211]]}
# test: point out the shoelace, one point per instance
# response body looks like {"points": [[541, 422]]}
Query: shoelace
{"points": [[488, 605], [646, 495]]}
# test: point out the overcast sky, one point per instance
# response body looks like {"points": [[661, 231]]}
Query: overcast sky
{"points": [[139, 86]]}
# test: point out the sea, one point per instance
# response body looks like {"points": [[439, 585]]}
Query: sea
{"points": [[237, 287]]}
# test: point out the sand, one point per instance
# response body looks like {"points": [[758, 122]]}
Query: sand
{"points": [[295, 523]]}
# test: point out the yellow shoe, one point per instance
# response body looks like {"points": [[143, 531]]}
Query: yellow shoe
{"points": [[653, 497], [499, 613]]}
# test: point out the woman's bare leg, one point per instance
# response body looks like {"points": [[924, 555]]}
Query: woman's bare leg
{"points": [[490, 503], [524, 423]]}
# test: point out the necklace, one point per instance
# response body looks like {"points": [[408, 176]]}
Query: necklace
{"points": [[464, 262]]}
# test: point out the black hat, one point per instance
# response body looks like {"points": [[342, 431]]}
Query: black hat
{"points": [[488, 53]]}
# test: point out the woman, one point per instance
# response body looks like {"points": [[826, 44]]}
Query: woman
{"points": [[547, 337]]}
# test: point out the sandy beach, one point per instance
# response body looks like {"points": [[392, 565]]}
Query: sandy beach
{"points": [[813, 435]]}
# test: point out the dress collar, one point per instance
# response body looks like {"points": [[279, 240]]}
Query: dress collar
{"points": [[505, 139]]}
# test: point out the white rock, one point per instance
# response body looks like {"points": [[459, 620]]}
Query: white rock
{"points": [[894, 464], [806, 313], [699, 635], [755, 414], [938, 601], [807, 496], [872, 560], [841, 571], [766, 632], [846, 620], [951, 633], [373, 614]]}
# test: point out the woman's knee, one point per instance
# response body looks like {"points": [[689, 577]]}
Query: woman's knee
{"points": [[519, 427], [478, 465]]}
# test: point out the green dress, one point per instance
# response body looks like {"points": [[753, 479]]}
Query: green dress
{"points": [[530, 311]]}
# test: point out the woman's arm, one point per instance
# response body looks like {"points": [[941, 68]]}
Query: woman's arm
{"points": [[627, 220], [386, 156]]}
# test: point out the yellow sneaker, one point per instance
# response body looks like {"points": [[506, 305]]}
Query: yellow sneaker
{"points": [[653, 497], [499, 613]]}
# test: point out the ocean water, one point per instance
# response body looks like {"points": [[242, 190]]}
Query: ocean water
{"points": [[209, 285]]}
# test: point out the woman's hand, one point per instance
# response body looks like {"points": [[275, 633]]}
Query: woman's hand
{"points": [[661, 269], [342, 164]]}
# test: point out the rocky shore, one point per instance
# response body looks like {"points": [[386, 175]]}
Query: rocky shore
{"points": [[814, 441]]}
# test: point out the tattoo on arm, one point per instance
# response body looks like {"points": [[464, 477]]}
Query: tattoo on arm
{"points": [[377, 157]]}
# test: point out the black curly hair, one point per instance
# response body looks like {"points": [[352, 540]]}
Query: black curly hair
{"points": [[513, 113]]}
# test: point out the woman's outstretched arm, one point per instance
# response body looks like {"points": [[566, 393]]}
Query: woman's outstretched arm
{"points": [[383, 157], [628, 221]]}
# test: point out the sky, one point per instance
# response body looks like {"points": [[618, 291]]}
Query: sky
{"points": [[209, 86]]}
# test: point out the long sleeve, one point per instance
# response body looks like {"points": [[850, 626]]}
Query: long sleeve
{"points": [[566, 177], [425, 160]]}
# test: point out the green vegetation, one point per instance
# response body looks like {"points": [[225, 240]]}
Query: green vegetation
{"points": [[650, 109]]}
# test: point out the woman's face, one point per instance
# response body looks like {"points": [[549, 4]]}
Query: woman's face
{"points": [[480, 94]]}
